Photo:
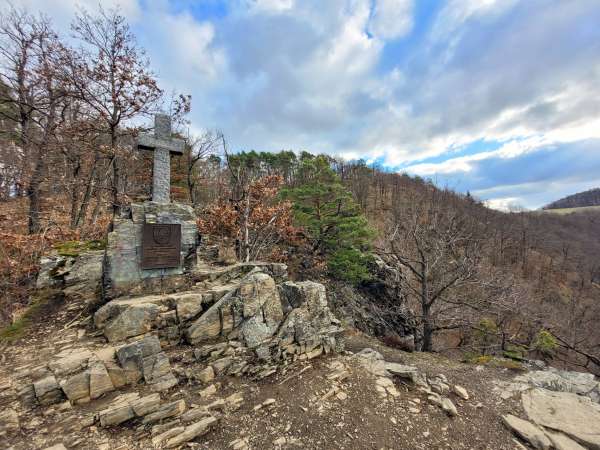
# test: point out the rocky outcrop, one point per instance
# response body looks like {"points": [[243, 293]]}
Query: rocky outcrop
{"points": [[262, 319], [573, 415], [527, 431], [378, 307], [79, 277], [555, 419], [241, 320], [274, 321], [563, 381]]}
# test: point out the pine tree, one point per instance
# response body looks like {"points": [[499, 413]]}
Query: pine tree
{"points": [[331, 218]]}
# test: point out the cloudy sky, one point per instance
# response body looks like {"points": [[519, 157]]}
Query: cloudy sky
{"points": [[497, 97]]}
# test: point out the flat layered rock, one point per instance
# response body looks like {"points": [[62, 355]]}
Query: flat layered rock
{"points": [[192, 431], [528, 431], [165, 411], [563, 381], [562, 442], [571, 414]]}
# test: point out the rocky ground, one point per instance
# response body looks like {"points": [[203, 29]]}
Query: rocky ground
{"points": [[367, 396], [301, 406]]}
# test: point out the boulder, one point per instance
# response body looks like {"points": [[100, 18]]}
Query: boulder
{"points": [[372, 361], [207, 327], [145, 359], [262, 310], [146, 405], [189, 305], [295, 295], [406, 372], [129, 406], [70, 361], [116, 415], [574, 415]]}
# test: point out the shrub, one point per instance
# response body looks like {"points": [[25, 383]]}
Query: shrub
{"points": [[545, 343], [486, 335]]}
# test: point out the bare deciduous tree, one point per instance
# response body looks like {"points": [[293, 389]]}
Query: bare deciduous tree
{"points": [[199, 148], [110, 74], [438, 248], [30, 50]]}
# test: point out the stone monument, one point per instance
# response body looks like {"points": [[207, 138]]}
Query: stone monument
{"points": [[152, 243]]}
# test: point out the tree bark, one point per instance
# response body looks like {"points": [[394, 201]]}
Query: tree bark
{"points": [[33, 193]]}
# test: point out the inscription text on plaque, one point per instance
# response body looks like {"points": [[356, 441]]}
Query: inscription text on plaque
{"points": [[161, 246]]}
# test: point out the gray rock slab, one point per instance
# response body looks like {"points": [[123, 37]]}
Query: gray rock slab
{"points": [[562, 442], [528, 431], [574, 415], [192, 431], [167, 410]]}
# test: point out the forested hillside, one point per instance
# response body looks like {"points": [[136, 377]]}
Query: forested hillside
{"points": [[423, 262], [579, 200]]}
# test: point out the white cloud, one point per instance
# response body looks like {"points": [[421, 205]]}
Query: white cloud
{"points": [[182, 48], [322, 75], [505, 204], [270, 6], [391, 19], [456, 12], [512, 149]]}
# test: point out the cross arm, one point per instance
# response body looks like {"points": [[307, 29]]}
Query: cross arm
{"points": [[149, 142]]}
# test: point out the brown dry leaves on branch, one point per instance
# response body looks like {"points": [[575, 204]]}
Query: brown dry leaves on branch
{"points": [[257, 221], [20, 252]]}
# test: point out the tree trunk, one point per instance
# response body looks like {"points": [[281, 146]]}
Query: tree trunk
{"points": [[87, 196], [427, 332], [246, 230], [426, 311], [33, 193], [115, 179]]}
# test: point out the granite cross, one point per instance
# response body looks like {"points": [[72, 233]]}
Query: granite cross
{"points": [[163, 145]]}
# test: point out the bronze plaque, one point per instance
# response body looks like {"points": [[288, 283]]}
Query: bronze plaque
{"points": [[161, 245]]}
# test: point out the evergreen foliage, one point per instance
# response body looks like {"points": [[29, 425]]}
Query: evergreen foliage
{"points": [[331, 218]]}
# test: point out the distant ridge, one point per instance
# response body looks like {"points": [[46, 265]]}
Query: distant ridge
{"points": [[581, 199]]}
